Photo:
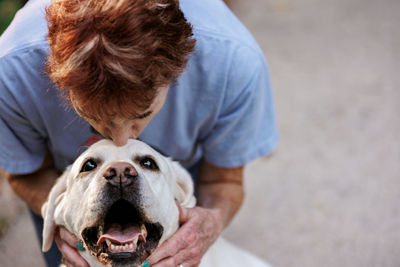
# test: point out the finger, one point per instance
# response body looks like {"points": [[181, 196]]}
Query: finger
{"points": [[68, 264], [166, 250], [184, 214], [168, 262], [67, 236], [180, 258], [71, 255], [171, 246], [180, 240]]}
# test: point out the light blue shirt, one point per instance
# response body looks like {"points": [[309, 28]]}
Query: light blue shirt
{"points": [[220, 109]]}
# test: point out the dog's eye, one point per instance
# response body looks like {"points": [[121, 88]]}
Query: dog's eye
{"points": [[89, 165], [149, 163]]}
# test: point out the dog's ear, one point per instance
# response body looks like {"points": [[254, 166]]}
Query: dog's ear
{"points": [[49, 207], [183, 189]]}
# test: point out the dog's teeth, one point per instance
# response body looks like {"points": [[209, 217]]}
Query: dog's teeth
{"points": [[135, 240], [100, 230], [143, 230], [122, 247], [108, 241]]}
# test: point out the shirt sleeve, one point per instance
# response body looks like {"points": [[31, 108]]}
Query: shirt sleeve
{"points": [[245, 128], [22, 146]]}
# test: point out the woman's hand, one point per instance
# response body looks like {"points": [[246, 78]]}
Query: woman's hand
{"points": [[67, 244], [200, 227], [220, 194]]}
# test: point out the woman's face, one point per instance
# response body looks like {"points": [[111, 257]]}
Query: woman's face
{"points": [[120, 129]]}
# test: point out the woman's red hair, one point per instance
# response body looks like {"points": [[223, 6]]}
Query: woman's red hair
{"points": [[113, 55]]}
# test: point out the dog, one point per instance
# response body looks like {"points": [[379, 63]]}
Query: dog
{"points": [[121, 203]]}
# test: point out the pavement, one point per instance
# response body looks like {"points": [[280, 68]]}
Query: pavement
{"points": [[329, 194]]}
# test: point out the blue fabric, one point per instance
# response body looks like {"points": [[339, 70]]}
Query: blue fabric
{"points": [[221, 108]]}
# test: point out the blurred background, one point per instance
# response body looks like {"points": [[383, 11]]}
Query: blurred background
{"points": [[330, 193], [7, 11]]}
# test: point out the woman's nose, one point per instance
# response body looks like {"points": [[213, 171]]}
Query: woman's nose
{"points": [[121, 134]]}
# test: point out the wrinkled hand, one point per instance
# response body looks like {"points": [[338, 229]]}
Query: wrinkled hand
{"points": [[200, 228], [67, 244]]}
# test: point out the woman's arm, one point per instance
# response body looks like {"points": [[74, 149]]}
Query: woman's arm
{"points": [[221, 189], [34, 188]]}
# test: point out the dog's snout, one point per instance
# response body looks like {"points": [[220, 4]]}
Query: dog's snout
{"points": [[120, 174]]}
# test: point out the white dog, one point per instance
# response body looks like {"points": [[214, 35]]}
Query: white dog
{"points": [[120, 202]]}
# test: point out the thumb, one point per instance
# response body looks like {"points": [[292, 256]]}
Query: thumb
{"points": [[184, 213]]}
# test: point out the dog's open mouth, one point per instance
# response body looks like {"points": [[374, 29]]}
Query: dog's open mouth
{"points": [[125, 236]]}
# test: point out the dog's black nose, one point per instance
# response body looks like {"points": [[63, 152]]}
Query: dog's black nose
{"points": [[120, 174]]}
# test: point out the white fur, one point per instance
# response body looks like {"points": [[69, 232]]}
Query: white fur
{"points": [[74, 202]]}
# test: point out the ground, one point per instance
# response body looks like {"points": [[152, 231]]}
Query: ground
{"points": [[329, 194]]}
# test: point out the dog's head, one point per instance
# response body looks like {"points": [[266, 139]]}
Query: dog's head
{"points": [[119, 200]]}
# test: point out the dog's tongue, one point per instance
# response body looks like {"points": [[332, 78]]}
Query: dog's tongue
{"points": [[121, 235]]}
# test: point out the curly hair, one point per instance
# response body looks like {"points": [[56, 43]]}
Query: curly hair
{"points": [[112, 55]]}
